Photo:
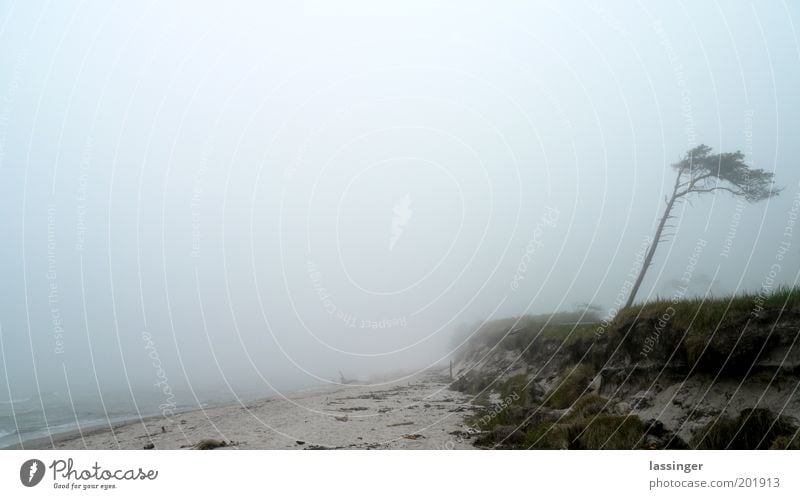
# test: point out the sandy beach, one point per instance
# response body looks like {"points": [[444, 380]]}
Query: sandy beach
{"points": [[420, 412]]}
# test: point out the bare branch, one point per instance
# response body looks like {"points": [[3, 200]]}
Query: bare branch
{"points": [[720, 188]]}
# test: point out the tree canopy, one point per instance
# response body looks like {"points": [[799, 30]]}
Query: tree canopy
{"points": [[700, 172]]}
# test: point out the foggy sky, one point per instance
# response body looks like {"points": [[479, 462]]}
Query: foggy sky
{"points": [[274, 194]]}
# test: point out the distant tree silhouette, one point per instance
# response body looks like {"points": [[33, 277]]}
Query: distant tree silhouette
{"points": [[701, 172]]}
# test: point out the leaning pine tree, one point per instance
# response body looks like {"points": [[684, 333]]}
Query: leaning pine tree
{"points": [[701, 172]]}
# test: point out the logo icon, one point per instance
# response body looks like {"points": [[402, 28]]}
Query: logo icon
{"points": [[402, 214], [31, 472]]}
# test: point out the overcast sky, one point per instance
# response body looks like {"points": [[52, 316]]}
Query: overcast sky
{"points": [[275, 193]]}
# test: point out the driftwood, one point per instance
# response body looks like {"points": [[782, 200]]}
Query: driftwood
{"points": [[209, 443], [401, 424]]}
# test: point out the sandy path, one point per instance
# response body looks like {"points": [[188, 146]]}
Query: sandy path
{"points": [[419, 413]]}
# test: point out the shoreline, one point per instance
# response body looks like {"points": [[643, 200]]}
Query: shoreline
{"points": [[420, 412], [47, 442]]}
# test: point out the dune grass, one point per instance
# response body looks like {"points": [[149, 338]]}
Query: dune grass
{"points": [[707, 313], [521, 333], [709, 333], [572, 385], [612, 432], [752, 429], [699, 316], [588, 433], [586, 406]]}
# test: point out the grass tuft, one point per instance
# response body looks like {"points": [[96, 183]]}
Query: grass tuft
{"points": [[753, 429], [612, 432], [572, 385], [586, 406]]}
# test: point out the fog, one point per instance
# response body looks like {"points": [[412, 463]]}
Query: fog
{"points": [[256, 198]]}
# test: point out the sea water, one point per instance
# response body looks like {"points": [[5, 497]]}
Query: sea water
{"points": [[50, 413]]}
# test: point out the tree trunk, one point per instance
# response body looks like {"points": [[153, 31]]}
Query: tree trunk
{"points": [[648, 259]]}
